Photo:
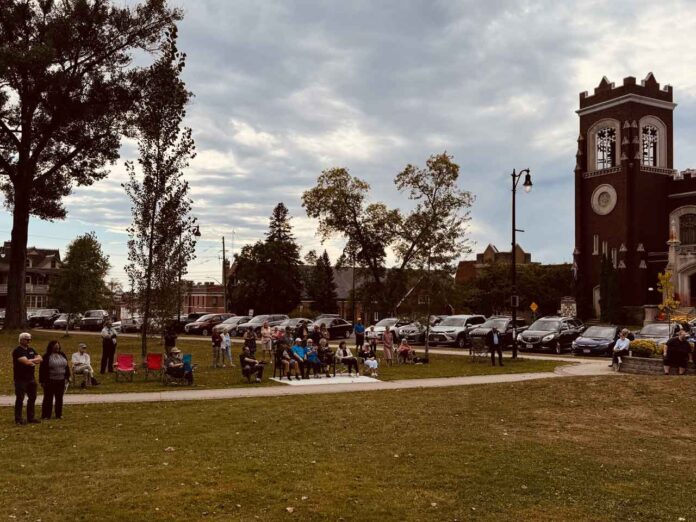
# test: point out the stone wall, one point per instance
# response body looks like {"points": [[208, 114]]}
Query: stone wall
{"points": [[644, 366]]}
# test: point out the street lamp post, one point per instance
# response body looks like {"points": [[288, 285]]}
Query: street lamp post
{"points": [[514, 298]]}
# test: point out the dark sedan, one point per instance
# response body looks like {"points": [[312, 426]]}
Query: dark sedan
{"points": [[43, 318], [596, 340], [337, 327], [550, 333], [204, 325]]}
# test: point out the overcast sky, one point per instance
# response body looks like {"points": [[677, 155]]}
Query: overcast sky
{"points": [[284, 89]]}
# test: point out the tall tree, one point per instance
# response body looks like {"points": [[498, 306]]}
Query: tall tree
{"points": [[267, 273], [66, 90], [432, 234], [79, 284], [162, 238], [321, 286]]}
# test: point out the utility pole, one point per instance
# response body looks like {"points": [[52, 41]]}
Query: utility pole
{"points": [[224, 276]]}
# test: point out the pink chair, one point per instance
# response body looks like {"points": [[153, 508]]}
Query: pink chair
{"points": [[154, 364], [125, 365]]}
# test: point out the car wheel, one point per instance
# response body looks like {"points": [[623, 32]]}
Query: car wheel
{"points": [[461, 342], [559, 349], [204, 332]]}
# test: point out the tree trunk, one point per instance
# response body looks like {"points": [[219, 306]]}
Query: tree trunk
{"points": [[16, 310]]}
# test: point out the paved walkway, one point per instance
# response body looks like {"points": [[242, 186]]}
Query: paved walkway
{"points": [[582, 367]]}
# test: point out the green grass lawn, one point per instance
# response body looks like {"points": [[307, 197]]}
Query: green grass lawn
{"points": [[562, 449], [207, 377]]}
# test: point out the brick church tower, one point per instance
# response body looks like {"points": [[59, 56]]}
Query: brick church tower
{"points": [[624, 187]]}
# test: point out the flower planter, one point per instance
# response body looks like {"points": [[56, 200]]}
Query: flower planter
{"points": [[648, 366]]}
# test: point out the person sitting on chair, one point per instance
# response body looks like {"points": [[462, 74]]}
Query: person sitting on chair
{"points": [[405, 352], [373, 337], [82, 365], [299, 353], [326, 356], [287, 361], [369, 356], [174, 366], [250, 366], [345, 356], [313, 360]]}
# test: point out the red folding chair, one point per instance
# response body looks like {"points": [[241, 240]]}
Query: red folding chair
{"points": [[154, 364], [125, 365]]}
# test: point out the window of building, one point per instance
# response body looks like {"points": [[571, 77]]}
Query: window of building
{"points": [[687, 229], [606, 148], [595, 245], [614, 257], [650, 143], [605, 248]]}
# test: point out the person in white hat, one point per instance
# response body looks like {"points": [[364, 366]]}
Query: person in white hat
{"points": [[82, 365], [174, 366]]}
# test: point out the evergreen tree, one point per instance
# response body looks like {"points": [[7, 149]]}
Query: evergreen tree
{"points": [[162, 233], [322, 287], [79, 284]]}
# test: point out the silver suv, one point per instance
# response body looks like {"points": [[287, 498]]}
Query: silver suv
{"points": [[454, 330]]}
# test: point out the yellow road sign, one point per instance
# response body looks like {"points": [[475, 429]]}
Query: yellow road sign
{"points": [[534, 307]]}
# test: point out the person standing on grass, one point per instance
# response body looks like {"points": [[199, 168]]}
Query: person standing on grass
{"points": [[82, 364], [495, 344], [24, 358], [108, 348], [170, 337], [53, 374], [250, 341], [359, 330], [620, 350], [676, 353], [226, 349], [216, 341], [388, 346], [266, 341]]}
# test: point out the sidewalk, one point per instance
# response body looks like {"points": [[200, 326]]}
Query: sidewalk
{"points": [[584, 368]]}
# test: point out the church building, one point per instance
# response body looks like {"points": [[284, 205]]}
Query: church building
{"points": [[631, 205]]}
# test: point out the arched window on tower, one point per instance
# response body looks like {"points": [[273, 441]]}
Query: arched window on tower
{"points": [[606, 148], [687, 229], [650, 142]]}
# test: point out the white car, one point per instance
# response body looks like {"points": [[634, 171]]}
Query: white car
{"points": [[454, 330]]}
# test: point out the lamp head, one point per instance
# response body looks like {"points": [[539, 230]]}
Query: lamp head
{"points": [[527, 182]]}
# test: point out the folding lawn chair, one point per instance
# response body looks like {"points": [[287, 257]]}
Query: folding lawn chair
{"points": [[154, 364], [125, 365]]}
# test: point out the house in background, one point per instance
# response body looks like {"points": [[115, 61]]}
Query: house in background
{"points": [[42, 266], [467, 270]]}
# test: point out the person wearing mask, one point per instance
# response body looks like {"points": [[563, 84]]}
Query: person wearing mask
{"points": [[82, 365], [345, 356], [174, 366], [53, 374], [359, 330], [621, 348], [108, 335], [676, 353], [250, 366], [495, 344], [24, 359], [388, 346], [266, 342], [299, 353]]}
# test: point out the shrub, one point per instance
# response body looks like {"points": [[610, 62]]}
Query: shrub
{"points": [[644, 348]]}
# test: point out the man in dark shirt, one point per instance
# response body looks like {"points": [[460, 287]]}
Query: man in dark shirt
{"points": [[250, 366], [494, 340], [24, 358]]}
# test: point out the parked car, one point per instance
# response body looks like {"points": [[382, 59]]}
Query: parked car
{"points": [[94, 319], [392, 323], [658, 332], [129, 325], [504, 326], [294, 321], [454, 330], [230, 325], [550, 333], [257, 321], [61, 322], [413, 332], [324, 316], [337, 327], [43, 318], [204, 324], [180, 321], [597, 340]]}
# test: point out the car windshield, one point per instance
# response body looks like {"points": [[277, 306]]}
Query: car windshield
{"points": [[93, 313], [387, 322], [600, 332], [545, 325], [207, 317], [655, 329], [259, 319], [232, 320], [500, 324], [453, 321]]}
